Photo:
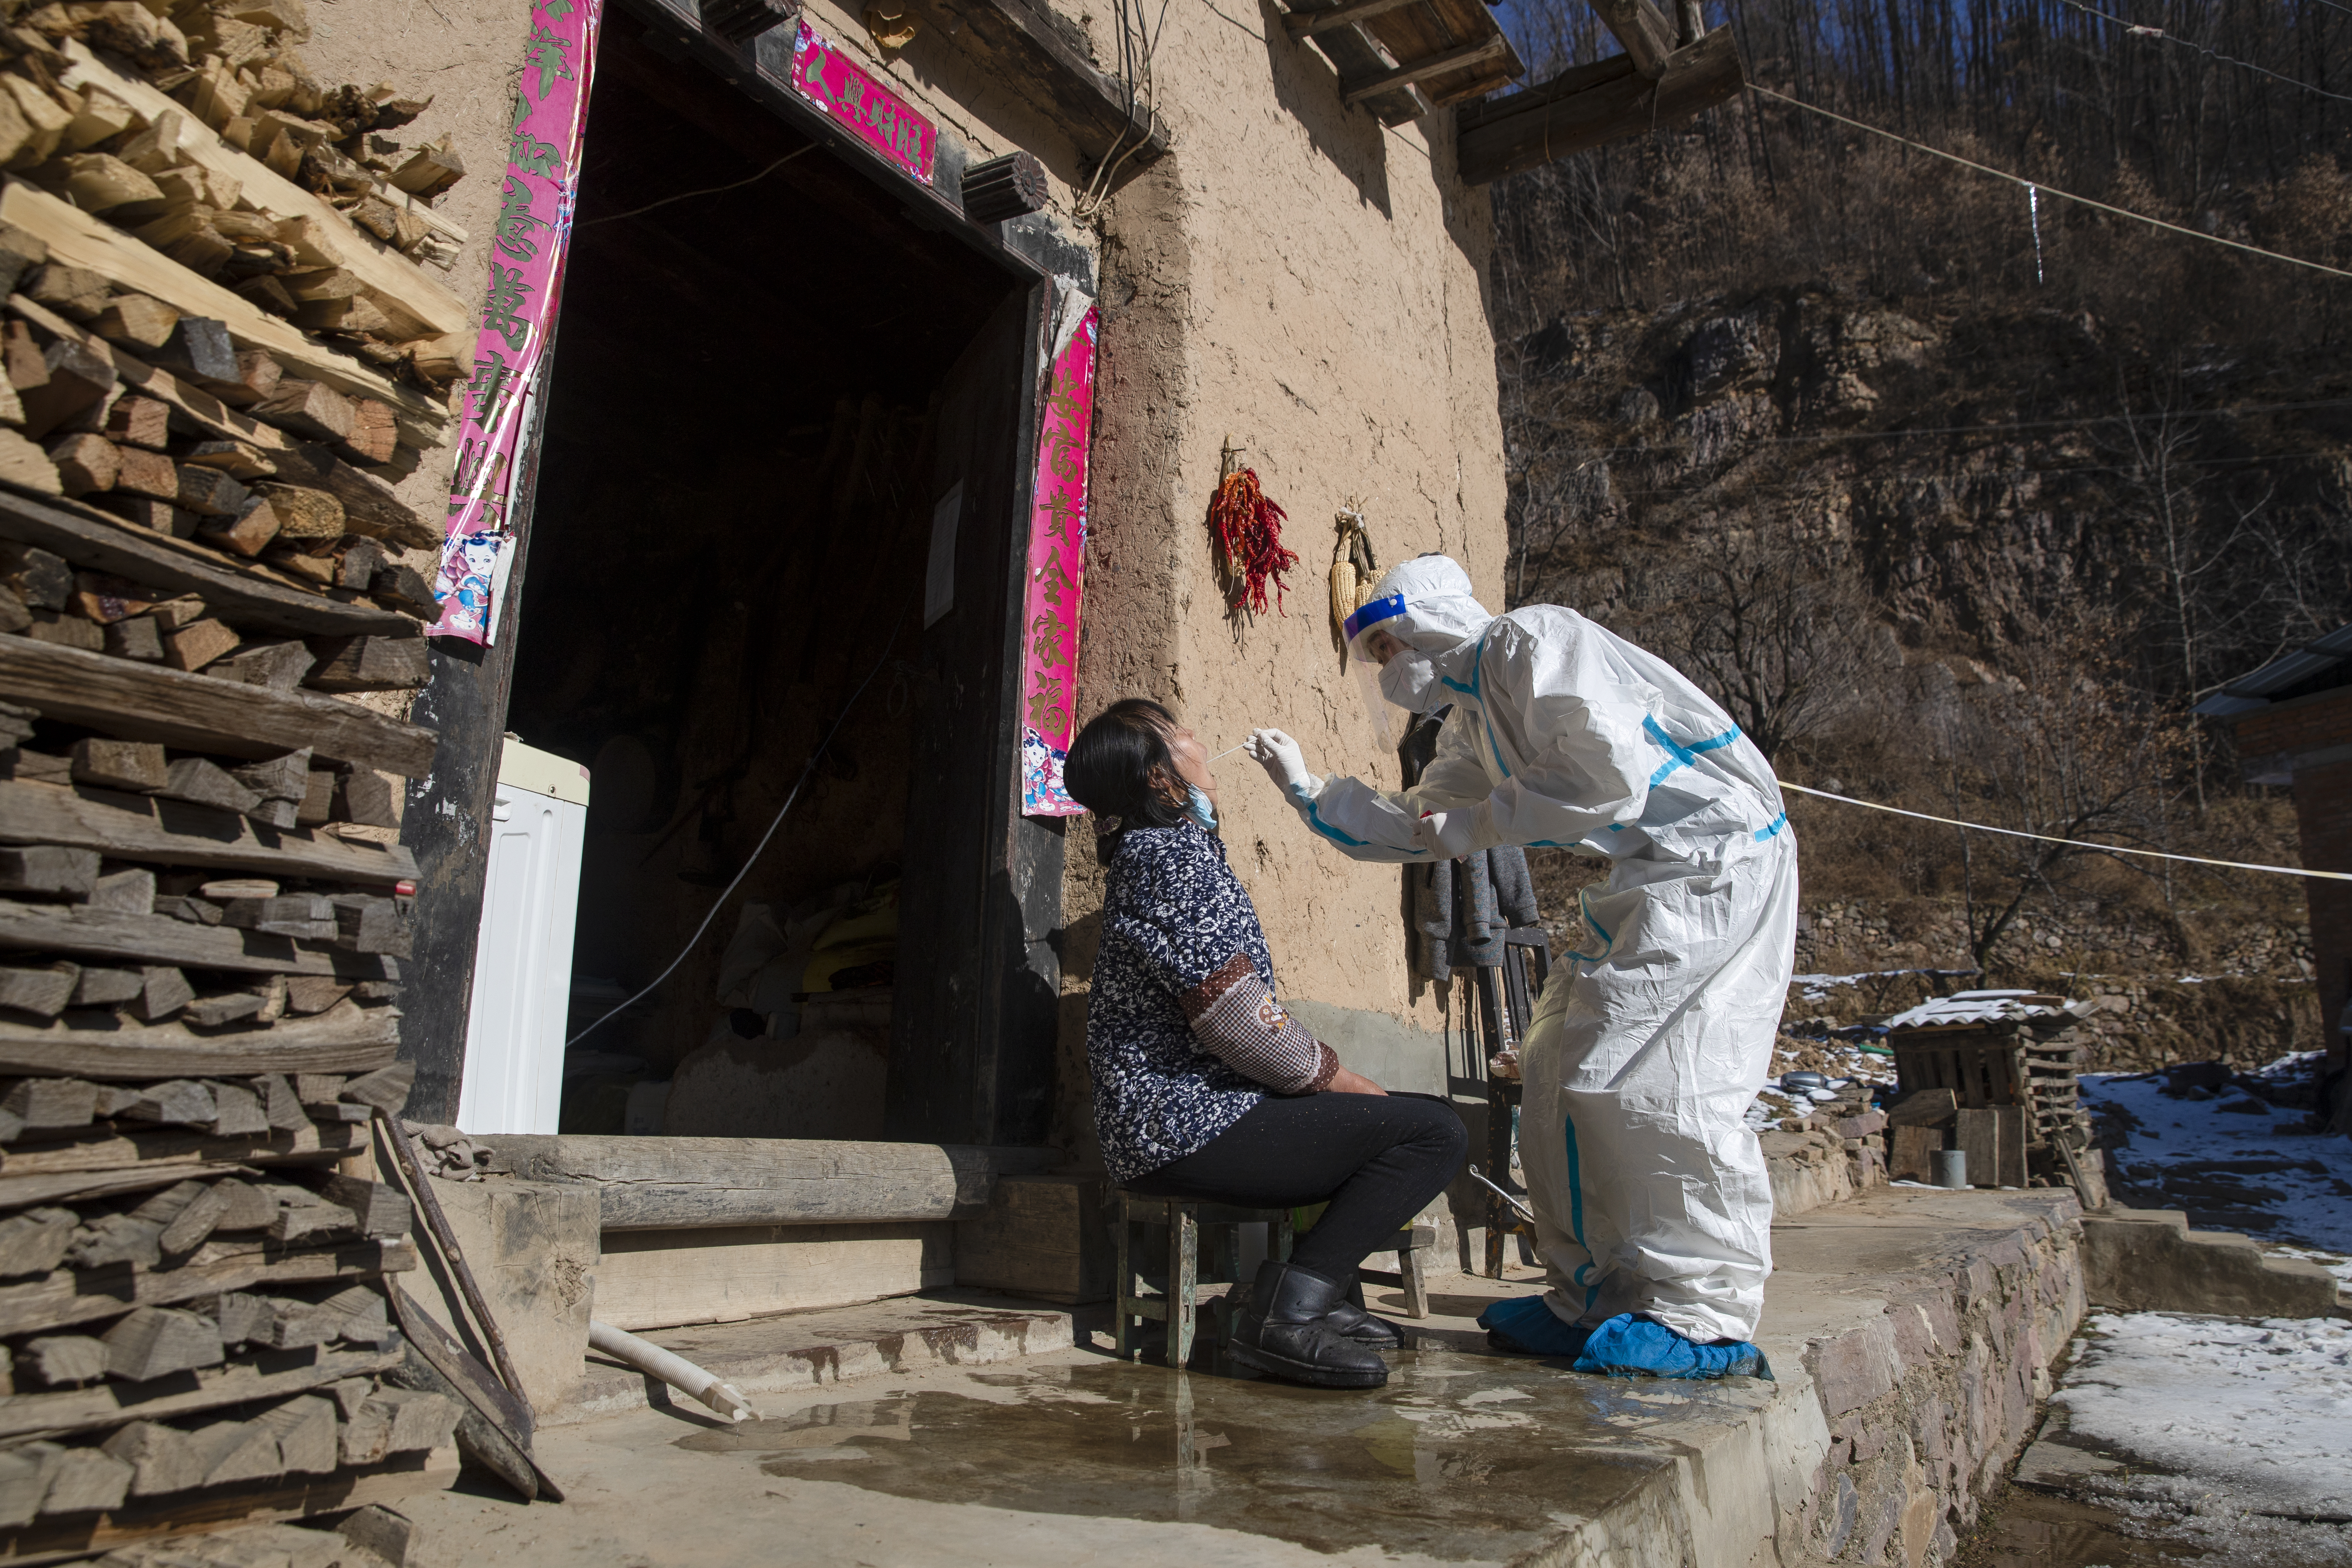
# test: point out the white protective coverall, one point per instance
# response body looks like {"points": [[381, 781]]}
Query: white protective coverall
{"points": [[1654, 1031]]}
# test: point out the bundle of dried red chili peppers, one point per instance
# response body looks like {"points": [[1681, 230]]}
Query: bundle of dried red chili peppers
{"points": [[1248, 529]]}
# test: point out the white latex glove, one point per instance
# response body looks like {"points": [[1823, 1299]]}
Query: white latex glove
{"points": [[1284, 763], [1445, 834]]}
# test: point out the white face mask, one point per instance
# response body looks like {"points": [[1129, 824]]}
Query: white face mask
{"points": [[1408, 680]]}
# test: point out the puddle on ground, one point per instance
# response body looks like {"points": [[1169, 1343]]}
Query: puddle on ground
{"points": [[1457, 1456]]}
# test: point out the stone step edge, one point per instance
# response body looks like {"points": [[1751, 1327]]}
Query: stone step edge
{"points": [[986, 1338]]}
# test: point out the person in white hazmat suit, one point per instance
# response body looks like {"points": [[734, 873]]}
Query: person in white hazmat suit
{"points": [[1654, 1032]]}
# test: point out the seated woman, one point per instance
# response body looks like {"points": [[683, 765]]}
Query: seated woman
{"points": [[1205, 1088]]}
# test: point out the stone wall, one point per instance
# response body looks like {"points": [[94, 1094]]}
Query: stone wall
{"points": [[1935, 1380]]}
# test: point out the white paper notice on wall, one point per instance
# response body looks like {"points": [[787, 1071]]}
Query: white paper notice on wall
{"points": [[938, 581]]}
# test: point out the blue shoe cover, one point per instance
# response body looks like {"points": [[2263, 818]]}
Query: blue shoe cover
{"points": [[1524, 1326], [1626, 1345]]}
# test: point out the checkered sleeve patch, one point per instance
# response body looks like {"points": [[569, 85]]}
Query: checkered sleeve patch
{"points": [[1235, 1018]]}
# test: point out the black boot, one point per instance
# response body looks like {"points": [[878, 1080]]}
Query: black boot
{"points": [[1284, 1332], [1349, 1317]]}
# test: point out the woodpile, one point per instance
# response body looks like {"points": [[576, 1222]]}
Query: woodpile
{"points": [[1994, 1073]]}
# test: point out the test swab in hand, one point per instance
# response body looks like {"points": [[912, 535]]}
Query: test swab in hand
{"points": [[1228, 751]]}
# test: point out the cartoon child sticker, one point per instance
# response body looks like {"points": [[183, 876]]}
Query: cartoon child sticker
{"points": [[468, 566]]}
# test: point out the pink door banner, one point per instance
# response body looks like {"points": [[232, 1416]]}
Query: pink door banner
{"points": [[849, 93], [530, 240], [1058, 566]]}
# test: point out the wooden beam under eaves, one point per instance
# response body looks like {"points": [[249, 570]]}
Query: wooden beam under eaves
{"points": [[1307, 23], [1412, 71], [1586, 106], [1023, 46], [1643, 30]]}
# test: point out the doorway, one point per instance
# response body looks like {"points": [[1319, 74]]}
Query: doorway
{"points": [[766, 380]]}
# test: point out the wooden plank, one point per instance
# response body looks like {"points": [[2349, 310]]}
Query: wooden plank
{"points": [[347, 1037], [196, 712], [1643, 31], [173, 833], [61, 1538], [90, 538], [187, 1152], [1977, 1134], [1590, 105], [653, 1280], [665, 1184], [1023, 47], [78, 239], [90, 931], [419, 306], [1436, 27], [2015, 1133], [88, 1295], [1420, 70], [1306, 24], [268, 1376]]}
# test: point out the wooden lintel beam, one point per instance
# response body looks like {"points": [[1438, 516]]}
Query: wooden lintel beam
{"points": [[1428, 66], [1306, 24], [1586, 105], [1034, 52], [1644, 31]]}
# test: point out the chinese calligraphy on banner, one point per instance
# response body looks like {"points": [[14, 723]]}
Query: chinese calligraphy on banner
{"points": [[1058, 566], [843, 90], [528, 245]]}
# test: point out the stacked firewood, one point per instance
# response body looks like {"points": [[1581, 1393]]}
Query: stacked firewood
{"points": [[191, 1298]]}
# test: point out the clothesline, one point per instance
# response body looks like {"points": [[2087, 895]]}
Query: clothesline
{"points": [[2077, 843]]}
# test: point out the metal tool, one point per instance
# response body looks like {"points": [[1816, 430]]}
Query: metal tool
{"points": [[1524, 1213]]}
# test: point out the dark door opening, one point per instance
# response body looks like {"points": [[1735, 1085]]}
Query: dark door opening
{"points": [[759, 396]]}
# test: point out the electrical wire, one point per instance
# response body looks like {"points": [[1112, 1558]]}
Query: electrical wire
{"points": [[2077, 843], [2142, 30], [715, 190], [2049, 190], [753, 858]]}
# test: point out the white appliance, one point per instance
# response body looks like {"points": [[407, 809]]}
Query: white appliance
{"points": [[522, 957]]}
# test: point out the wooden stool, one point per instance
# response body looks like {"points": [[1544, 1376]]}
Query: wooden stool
{"points": [[1178, 1305]]}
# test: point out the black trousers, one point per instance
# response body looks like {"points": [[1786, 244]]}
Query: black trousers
{"points": [[1376, 1159]]}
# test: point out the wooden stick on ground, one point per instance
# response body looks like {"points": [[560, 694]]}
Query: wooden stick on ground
{"points": [[437, 1222]]}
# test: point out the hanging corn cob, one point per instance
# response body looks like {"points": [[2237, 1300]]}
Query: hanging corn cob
{"points": [[1247, 525], [1354, 571]]}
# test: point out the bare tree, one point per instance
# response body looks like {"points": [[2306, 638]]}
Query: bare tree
{"points": [[1773, 628]]}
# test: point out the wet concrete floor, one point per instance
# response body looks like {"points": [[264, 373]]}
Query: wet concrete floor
{"points": [[1077, 1457]]}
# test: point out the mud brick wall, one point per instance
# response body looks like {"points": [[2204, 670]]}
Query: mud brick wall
{"points": [[2314, 739], [1927, 1402]]}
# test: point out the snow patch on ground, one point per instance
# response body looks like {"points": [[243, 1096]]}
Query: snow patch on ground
{"points": [[2265, 1406], [2258, 1163]]}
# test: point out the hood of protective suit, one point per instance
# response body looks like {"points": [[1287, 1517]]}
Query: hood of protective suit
{"points": [[1426, 604]]}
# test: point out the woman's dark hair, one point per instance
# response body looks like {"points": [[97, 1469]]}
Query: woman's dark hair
{"points": [[1120, 769]]}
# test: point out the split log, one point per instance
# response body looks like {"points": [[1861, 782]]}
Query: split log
{"points": [[76, 291], [282, 1105], [318, 805], [369, 664], [40, 578], [381, 1212], [163, 992], [405, 587], [107, 987], [89, 1481], [304, 1428], [397, 1420], [150, 513], [155, 1342], [124, 892], [375, 431], [150, 474], [301, 512], [179, 1100], [309, 993], [197, 644], [248, 1206], [306, 408], [238, 1109], [194, 1226], [249, 533], [280, 666], [52, 1101], [370, 505], [221, 1009], [238, 460], [386, 1090], [48, 868], [35, 1241], [142, 324], [139, 422], [209, 492], [77, 380], [85, 463], [367, 924], [368, 798], [135, 765], [137, 638], [180, 709], [287, 777], [26, 1474], [44, 991], [113, 1239], [200, 352], [206, 783], [346, 1035], [65, 631], [62, 1361]]}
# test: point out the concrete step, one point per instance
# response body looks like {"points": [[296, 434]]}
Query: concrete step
{"points": [[2149, 1260], [809, 1350]]}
